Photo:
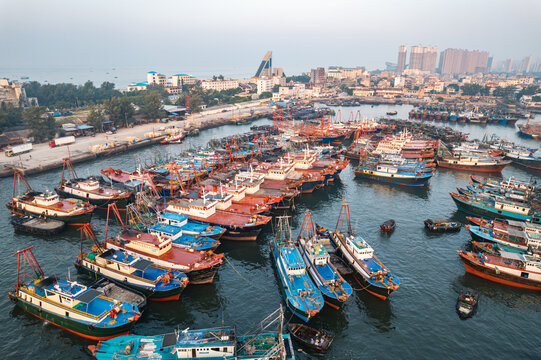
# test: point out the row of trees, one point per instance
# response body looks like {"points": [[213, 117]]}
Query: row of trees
{"points": [[64, 95], [504, 92]]}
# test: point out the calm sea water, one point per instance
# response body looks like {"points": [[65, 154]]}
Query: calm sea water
{"points": [[419, 320]]}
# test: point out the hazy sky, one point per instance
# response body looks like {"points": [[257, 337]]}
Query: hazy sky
{"points": [[232, 35]]}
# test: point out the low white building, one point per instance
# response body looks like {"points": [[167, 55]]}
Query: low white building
{"points": [[155, 78], [292, 90], [264, 85], [219, 85], [137, 86], [183, 79]]}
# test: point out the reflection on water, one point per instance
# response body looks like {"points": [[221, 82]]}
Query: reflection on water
{"points": [[385, 189], [379, 312]]}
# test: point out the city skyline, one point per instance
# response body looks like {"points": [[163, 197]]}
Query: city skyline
{"points": [[62, 36]]}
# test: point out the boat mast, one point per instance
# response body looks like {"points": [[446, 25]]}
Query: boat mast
{"points": [[31, 260], [344, 223]]}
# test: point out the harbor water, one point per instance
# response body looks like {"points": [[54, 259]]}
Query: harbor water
{"points": [[418, 321]]}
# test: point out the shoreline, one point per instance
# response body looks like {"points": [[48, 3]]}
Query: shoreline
{"points": [[44, 158]]}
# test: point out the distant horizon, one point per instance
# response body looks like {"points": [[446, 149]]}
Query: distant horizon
{"points": [[231, 37]]}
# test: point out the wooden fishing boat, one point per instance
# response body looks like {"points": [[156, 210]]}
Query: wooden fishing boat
{"points": [[90, 189], [318, 340], [301, 295], [388, 226], [313, 248], [192, 228], [370, 273], [200, 266], [509, 269], [157, 283], [37, 225], [442, 225], [174, 139], [67, 304], [180, 239], [473, 162], [495, 248], [466, 304], [393, 174], [211, 343], [238, 226], [70, 211]]}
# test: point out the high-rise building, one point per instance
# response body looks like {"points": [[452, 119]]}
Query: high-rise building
{"points": [[401, 65], [459, 61], [318, 76], [507, 65], [423, 58], [416, 58], [526, 64], [265, 68], [489, 63], [430, 55]]}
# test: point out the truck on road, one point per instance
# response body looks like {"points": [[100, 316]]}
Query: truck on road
{"points": [[18, 149], [62, 141]]}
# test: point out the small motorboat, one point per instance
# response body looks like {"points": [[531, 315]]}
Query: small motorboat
{"points": [[318, 340], [466, 304], [442, 225], [388, 226], [37, 225], [392, 112]]}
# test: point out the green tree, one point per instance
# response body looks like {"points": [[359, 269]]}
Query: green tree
{"points": [[120, 111], [95, 118], [304, 78], [195, 102], [471, 89], [505, 92], [529, 90], [10, 115], [152, 106], [43, 126], [276, 88], [265, 95]]}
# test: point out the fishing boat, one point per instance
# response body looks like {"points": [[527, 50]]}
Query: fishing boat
{"points": [[132, 181], [37, 225], [495, 208], [318, 340], [181, 239], [473, 162], [301, 295], [466, 304], [313, 247], [370, 272], [511, 269], [388, 226], [69, 305], [442, 225], [494, 248], [393, 174], [200, 266], [526, 159], [50, 205], [392, 113], [90, 189], [174, 138], [157, 283], [192, 228], [238, 226], [211, 343]]}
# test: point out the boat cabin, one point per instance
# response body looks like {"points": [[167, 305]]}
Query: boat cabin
{"points": [[173, 219], [167, 231], [146, 243], [193, 207], [387, 169], [293, 263], [512, 207], [359, 248], [210, 343], [89, 185], [46, 199]]}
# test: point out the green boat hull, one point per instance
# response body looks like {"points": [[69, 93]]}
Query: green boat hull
{"points": [[85, 330]]}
